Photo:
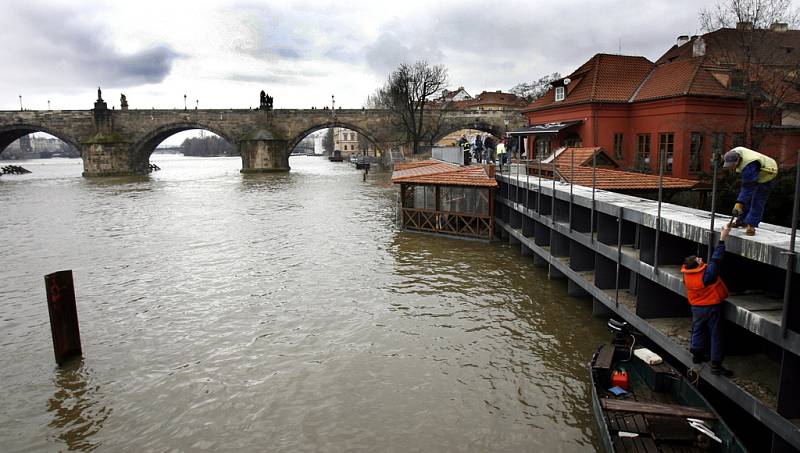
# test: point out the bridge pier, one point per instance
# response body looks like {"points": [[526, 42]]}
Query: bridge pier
{"points": [[264, 155], [111, 158]]}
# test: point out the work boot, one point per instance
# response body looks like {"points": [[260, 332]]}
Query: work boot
{"points": [[718, 370], [750, 231]]}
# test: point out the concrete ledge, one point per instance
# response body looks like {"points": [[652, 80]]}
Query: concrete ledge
{"points": [[762, 324]]}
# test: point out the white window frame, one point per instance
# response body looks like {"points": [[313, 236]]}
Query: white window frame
{"points": [[561, 93]]}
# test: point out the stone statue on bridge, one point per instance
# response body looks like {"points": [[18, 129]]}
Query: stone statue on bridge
{"points": [[99, 94], [123, 102], [265, 102]]}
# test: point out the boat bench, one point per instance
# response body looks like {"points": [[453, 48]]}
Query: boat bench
{"points": [[655, 408]]}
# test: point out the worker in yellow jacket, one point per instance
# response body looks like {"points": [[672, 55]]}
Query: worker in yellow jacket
{"points": [[758, 178]]}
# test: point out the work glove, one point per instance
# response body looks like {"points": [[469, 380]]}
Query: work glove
{"points": [[738, 209]]}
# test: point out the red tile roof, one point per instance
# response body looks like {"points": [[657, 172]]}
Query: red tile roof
{"points": [[491, 98], [584, 156], [608, 179], [727, 46], [681, 78], [604, 78], [605, 178], [623, 79], [443, 174]]}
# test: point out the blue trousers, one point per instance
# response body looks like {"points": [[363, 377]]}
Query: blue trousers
{"points": [[706, 325], [754, 199]]}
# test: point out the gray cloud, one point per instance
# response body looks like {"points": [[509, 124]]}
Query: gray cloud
{"points": [[60, 47], [523, 40]]}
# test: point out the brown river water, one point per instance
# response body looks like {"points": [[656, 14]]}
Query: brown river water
{"points": [[283, 312]]}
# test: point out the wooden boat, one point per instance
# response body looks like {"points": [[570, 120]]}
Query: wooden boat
{"points": [[336, 156], [660, 411]]}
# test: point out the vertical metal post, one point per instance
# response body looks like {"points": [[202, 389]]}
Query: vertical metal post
{"points": [[594, 182], [661, 154], [516, 195], [527, 181], [714, 170], [571, 182], [619, 255], [553, 200], [791, 257], [539, 194], [63, 316]]}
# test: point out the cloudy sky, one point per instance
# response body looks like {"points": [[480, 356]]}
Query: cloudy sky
{"points": [[222, 53]]}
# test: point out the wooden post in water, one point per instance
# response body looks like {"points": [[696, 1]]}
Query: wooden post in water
{"points": [[63, 316]]}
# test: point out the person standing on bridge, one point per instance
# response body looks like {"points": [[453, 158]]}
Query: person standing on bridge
{"points": [[463, 143], [706, 291], [478, 148], [758, 178]]}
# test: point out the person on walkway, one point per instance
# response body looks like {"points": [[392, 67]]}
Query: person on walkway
{"points": [[488, 145], [478, 148], [501, 153], [706, 291], [758, 178], [467, 155]]}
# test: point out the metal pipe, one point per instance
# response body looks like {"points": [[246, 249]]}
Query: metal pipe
{"points": [[715, 168], [594, 182], [539, 194], [527, 181], [661, 154], [553, 198], [571, 179], [791, 257], [619, 256]]}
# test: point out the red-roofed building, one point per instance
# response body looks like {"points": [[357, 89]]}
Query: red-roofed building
{"points": [[492, 100], [447, 198], [686, 104]]}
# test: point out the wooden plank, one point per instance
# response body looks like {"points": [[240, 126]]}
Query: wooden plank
{"points": [[604, 357], [655, 408], [647, 444]]}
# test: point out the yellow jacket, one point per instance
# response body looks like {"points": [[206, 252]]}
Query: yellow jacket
{"points": [[769, 168]]}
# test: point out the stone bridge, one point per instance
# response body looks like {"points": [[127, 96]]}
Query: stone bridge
{"points": [[120, 142]]}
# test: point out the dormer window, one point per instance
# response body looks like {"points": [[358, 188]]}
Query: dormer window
{"points": [[560, 94]]}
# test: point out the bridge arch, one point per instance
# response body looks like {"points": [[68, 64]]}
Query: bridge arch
{"points": [[330, 124], [144, 146], [492, 129], [12, 132]]}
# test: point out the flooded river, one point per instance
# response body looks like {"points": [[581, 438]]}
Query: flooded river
{"points": [[283, 313]]}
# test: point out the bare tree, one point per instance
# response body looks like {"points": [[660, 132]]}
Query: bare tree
{"points": [[534, 90], [748, 39], [408, 93], [327, 141]]}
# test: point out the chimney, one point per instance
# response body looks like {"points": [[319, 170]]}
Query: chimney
{"points": [[779, 27], [682, 39], [744, 25], [699, 47]]}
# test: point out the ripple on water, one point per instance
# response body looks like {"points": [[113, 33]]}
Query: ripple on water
{"points": [[222, 311]]}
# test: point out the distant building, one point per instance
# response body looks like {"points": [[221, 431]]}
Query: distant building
{"points": [[348, 142], [492, 100], [459, 94]]}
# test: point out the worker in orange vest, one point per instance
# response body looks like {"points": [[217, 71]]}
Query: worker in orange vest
{"points": [[706, 291]]}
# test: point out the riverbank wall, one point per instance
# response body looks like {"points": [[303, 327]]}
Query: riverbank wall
{"points": [[624, 253]]}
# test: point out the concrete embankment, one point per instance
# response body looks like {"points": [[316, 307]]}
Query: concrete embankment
{"points": [[617, 250]]}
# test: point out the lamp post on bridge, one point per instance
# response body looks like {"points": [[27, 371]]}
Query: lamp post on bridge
{"points": [[48, 104], [184, 102], [196, 104], [20, 102]]}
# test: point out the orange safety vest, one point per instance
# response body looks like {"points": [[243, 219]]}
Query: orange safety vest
{"points": [[699, 294]]}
